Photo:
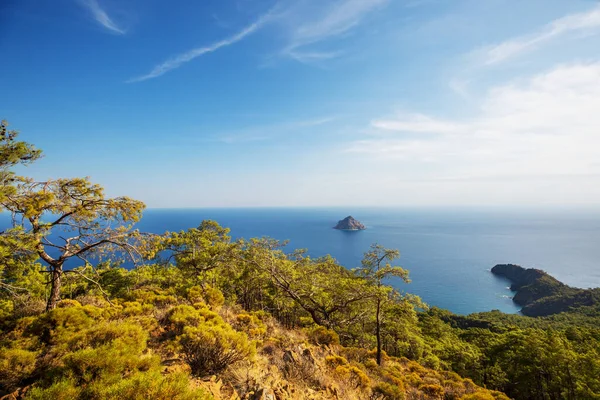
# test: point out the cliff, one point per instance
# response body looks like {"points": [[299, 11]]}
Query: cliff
{"points": [[541, 294], [349, 224], [530, 284]]}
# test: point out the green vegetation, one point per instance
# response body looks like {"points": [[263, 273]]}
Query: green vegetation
{"points": [[541, 294], [205, 317]]}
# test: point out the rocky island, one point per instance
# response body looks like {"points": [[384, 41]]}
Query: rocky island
{"points": [[349, 224], [541, 294]]}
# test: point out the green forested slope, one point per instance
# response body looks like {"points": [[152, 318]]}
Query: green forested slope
{"points": [[202, 316]]}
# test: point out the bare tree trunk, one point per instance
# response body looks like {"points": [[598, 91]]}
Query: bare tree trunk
{"points": [[55, 282], [378, 332]]}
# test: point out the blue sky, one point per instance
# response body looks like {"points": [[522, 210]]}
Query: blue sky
{"points": [[310, 102]]}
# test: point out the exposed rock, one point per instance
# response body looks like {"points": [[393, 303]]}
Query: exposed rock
{"points": [[16, 395], [264, 394], [308, 356], [290, 357], [349, 224]]}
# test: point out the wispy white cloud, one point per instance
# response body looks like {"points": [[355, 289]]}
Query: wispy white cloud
{"points": [[460, 87], [314, 22], [586, 21], [307, 22], [101, 16], [418, 123], [312, 57], [546, 125], [266, 132], [177, 61]]}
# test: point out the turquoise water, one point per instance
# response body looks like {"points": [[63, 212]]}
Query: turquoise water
{"points": [[449, 252]]}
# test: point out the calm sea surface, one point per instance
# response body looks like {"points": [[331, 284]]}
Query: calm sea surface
{"points": [[449, 253]]}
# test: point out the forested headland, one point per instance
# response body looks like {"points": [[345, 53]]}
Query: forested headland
{"points": [[202, 316]]}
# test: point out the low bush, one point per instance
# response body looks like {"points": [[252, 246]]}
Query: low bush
{"points": [[433, 391], [478, 396], [320, 335], [251, 324], [388, 391], [181, 316], [335, 361], [16, 365], [210, 349]]}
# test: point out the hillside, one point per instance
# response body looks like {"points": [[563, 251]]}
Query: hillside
{"points": [[202, 316], [541, 294], [154, 342]]}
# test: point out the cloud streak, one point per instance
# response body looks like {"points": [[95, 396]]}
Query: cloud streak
{"points": [[102, 17], [328, 22], [585, 21], [305, 28], [270, 131], [179, 60], [418, 123]]}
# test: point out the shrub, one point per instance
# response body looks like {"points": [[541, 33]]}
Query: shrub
{"points": [[157, 297], [181, 316], [341, 372], [371, 364], [139, 386], [251, 325], [478, 396], [453, 389], [150, 385], [194, 294], [389, 391], [66, 303], [64, 389], [413, 379], [209, 295], [373, 354], [320, 335], [6, 309], [62, 324], [431, 361], [210, 349], [435, 391], [107, 361], [354, 375], [335, 361], [499, 395], [359, 378], [393, 374], [213, 297], [15, 366]]}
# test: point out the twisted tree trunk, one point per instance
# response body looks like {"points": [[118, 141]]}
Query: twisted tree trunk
{"points": [[55, 284]]}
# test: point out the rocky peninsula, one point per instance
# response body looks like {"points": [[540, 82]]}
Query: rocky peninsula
{"points": [[349, 224], [541, 294]]}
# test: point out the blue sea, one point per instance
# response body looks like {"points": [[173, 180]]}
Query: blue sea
{"points": [[449, 252]]}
